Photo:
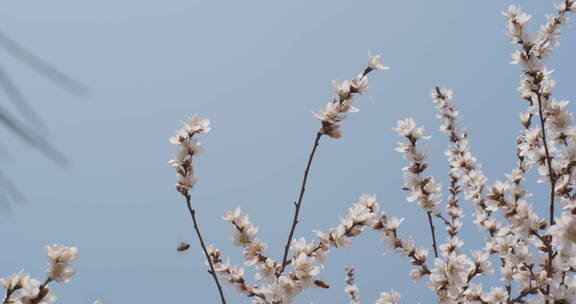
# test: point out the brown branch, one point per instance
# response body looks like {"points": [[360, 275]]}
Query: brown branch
{"points": [[552, 177], [551, 173], [212, 271], [298, 204], [432, 230], [42, 292], [9, 293]]}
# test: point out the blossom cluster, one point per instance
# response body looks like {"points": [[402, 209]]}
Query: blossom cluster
{"points": [[24, 289], [307, 259], [535, 254], [245, 235], [424, 190], [335, 110], [189, 146]]}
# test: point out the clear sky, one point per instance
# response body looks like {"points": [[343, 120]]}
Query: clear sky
{"points": [[256, 69]]}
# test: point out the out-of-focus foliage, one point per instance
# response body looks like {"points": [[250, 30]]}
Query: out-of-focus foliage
{"points": [[25, 123]]}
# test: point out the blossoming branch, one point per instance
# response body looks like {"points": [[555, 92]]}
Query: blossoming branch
{"points": [[22, 288], [536, 254]]}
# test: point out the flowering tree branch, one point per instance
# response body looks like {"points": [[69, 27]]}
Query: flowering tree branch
{"points": [[537, 254], [22, 288], [537, 88], [186, 180], [329, 118], [197, 229], [298, 204], [424, 190]]}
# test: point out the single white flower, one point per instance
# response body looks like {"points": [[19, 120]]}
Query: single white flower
{"points": [[196, 124], [375, 64], [564, 232], [59, 257], [389, 298], [15, 280]]}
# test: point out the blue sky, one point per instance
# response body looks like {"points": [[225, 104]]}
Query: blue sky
{"points": [[256, 69]]}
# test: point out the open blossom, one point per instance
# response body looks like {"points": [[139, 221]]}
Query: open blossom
{"points": [[304, 269], [196, 124], [15, 281], [300, 246], [441, 94], [232, 215], [516, 23], [342, 88], [389, 298], [564, 233], [244, 232], [360, 84], [408, 128], [284, 290], [333, 112], [374, 63], [496, 295], [516, 15], [59, 259], [30, 293]]}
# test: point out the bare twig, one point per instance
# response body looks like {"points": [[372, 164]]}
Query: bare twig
{"points": [[298, 204], [197, 229], [433, 231]]}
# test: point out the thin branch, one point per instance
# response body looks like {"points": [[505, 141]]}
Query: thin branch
{"points": [[212, 271], [298, 204], [9, 292], [433, 231], [551, 173], [552, 177]]}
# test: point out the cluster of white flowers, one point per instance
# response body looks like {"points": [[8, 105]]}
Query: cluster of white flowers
{"points": [[189, 147], [536, 254], [388, 228], [551, 147], [233, 275], [465, 172], [335, 110], [307, 259], [23, 289], [424, 190], [245, 235]]}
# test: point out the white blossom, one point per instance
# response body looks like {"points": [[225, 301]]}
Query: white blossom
{"points": [[389, 298], [59, 258], [374, 62], [564, 233]]}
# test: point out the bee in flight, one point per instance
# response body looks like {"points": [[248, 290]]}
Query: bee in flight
{"points": [[183, 247]]}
